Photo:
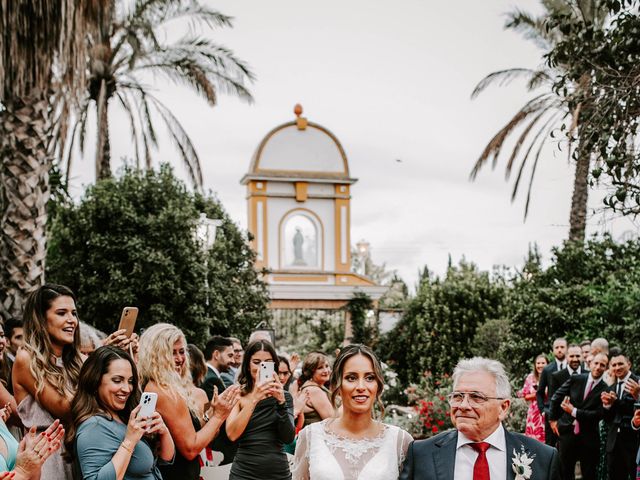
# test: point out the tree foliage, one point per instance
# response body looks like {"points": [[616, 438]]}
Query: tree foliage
{"points": [[130, 241], [605, 60], [359, 307], [440, 322]]}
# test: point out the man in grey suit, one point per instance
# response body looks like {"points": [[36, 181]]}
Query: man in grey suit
{"points": [[480, 448]]}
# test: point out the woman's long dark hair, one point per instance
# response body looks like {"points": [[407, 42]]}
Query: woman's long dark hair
{"points": [[244, 379], [87, 403]]}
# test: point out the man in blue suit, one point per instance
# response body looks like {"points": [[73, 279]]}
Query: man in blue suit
{"points": [[480, 448]]}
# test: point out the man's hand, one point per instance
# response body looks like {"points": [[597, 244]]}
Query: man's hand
{"points": [[633, 388], [554, 426], [608, 398], [567, 406]]}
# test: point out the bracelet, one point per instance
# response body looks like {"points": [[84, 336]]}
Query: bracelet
{"points": [[126, 448], [205, 417]]}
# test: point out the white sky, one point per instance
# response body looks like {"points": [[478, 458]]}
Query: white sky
{"points": [[392, 80]]}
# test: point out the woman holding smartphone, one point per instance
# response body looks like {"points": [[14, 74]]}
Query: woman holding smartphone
{"points": [[46, 368], [262, 421], [108, 438], [164, 370]]}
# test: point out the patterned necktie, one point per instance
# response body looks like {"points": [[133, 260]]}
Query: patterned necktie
{"points": [[481, 467]]}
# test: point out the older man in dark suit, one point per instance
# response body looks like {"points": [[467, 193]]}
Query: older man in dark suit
{"points": [[576, 410], [480, 448]]}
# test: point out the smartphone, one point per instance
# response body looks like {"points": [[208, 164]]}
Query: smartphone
{"points": [[636, 406], [128, 320], [147, 404], [267, 369]]}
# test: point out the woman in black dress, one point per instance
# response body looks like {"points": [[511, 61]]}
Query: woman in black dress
{"points": [[262, 421]]}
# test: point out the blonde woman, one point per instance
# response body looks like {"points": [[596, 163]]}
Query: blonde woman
{"points": [[46, 369], [164, 369]]}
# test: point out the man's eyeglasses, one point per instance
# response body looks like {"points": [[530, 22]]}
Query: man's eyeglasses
{"points": [[474, 398]]}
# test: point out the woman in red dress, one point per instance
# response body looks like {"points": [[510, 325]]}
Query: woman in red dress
{"points": [[535, 421]]}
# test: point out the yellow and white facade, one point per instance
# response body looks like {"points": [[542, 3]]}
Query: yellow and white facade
{"points": [[299, 213]]}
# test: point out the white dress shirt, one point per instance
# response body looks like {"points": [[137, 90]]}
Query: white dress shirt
{"points": [[496, 456]]}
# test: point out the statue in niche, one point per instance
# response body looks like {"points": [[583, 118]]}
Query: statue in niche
{"points": [[298, 241]]}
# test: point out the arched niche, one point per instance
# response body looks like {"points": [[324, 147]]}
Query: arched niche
{"points": [[301, 241]]}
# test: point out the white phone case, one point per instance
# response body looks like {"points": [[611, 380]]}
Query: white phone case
{"points": [[267, 369], [147, 404]]}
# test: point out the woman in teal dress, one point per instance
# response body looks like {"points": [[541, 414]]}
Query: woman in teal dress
{"points": [[8, 449]]}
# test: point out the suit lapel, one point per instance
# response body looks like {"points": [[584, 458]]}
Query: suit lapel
{"points": [[445, 456], [511, 444]]}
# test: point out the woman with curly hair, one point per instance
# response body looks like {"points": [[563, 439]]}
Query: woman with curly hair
{"points": [[107, 438], [163, 365], [46, 369], [315, 374]]}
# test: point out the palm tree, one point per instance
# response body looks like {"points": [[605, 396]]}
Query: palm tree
{"points": [[545, 112], [37, 39], [129, 50]]}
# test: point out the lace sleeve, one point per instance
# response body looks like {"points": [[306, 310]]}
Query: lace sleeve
{"points": [[404, 440], [300, 469]]}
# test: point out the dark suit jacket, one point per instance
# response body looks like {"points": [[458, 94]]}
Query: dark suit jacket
{"points": [[543, 384], [559, 377], [211, 380], [435, 457], [618, 417], [589, 410]]}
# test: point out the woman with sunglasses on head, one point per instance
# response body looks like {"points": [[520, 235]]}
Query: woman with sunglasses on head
{"points": [[262, 421], [46, 368], [360, 447]]}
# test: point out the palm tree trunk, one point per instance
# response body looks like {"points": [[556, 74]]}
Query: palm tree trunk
{"points": [[103, 147], [578, 215], [24, 176]]}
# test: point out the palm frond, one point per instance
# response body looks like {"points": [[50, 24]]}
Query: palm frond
{"points": [[521, 139], [128, 108], [539, 137], [493, 148], [535, 78], [201, 65], [532, 28], [181, 140]]}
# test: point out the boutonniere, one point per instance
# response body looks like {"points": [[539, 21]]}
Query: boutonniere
{"points": [[521, 464]]}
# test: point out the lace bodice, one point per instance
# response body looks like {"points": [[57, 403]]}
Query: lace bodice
{"points": [[324, 455]]}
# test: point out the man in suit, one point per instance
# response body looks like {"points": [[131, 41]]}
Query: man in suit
{"points": [[574, 367], [230, 376], [622, 439], [219, 355], [542, 394], [479, 448], [575, 411]]}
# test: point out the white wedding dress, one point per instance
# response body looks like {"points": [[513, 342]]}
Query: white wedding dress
{"points": [[324, 455]]}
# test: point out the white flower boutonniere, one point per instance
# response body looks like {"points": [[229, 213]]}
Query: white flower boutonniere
{"points": [[521, 464]]}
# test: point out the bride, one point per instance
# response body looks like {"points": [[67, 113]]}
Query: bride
{"points": [[352, 446]]}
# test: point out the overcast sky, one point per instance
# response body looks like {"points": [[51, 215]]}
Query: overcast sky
{"points": [[392, 80]]}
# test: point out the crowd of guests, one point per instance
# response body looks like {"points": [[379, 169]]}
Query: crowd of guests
{"points": [[71, 409], [583, 403]]}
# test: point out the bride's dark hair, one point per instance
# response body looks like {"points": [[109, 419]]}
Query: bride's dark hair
{"points": [[338, 370]]}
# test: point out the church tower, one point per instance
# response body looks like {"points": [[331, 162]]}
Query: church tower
{"points": [[299, 213]]}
